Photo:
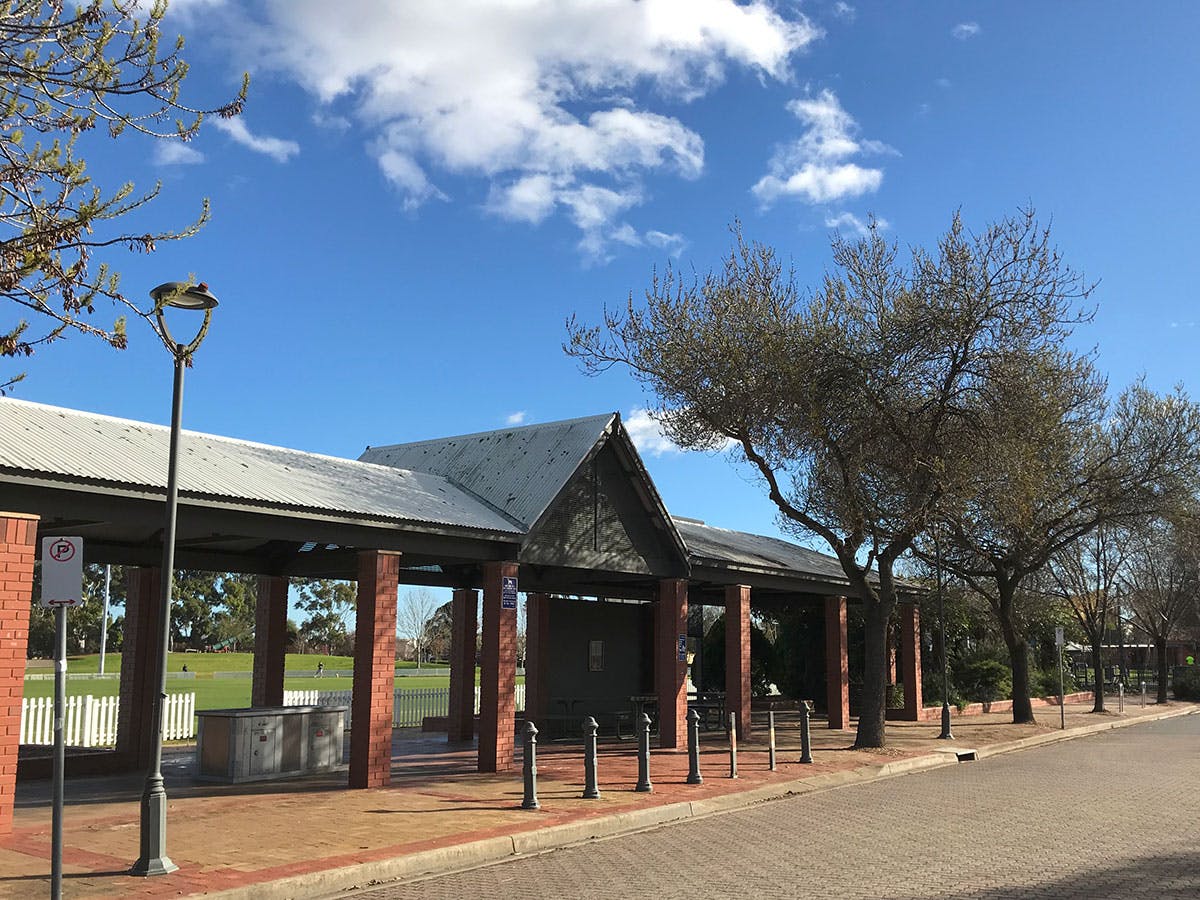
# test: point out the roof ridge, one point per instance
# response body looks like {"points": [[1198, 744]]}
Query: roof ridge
{"points": [[605, 417]]}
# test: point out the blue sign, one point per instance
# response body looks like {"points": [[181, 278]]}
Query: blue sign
{"points": [[508, 592], [683, 648]]}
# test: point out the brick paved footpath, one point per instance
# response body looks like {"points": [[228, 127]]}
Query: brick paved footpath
{"points": [[1113, 815], [309, 837]]}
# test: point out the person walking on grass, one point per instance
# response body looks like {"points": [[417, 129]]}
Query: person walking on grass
{"points": [[320, 669]]}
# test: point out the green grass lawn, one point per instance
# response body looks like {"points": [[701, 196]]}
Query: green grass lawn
{"points": [[219, 662]]}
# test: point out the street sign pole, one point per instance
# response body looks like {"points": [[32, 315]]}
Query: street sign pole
{"points": [[1059, 638], [60, 752], [62, 586]]}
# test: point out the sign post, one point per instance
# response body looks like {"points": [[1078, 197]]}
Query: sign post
{"points": [[1062, 710], [62, 587]]}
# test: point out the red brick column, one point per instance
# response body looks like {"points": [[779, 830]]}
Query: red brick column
{"points": [[537, 642], [374, 669], [910, 660], [270, 641], [670, 672], [140, 666], [18, 534], [737, 655], [497, 673], [464, 619], [837, 666]]}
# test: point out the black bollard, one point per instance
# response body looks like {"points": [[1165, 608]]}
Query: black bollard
{"points": [[530, 800], [771, 739], [591, 790], [805, 740], [733, 745], [643, 783], [694, 776]]}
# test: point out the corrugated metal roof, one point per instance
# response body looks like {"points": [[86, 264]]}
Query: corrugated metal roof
{"points": [[737, 548], [80, 446], [517, 470]]}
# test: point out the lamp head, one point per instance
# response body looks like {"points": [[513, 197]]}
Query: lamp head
{"points": [[183, 296]]}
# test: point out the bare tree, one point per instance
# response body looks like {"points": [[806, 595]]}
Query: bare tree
{"points": [[1161, 582], [1085, 574], [416, 608]]}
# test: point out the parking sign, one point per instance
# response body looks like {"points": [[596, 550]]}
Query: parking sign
{"points": [[62, 571]]}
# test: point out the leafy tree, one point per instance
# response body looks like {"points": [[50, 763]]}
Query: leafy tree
{"points": [[328, 604], [1059, 462], [439, 630], [233, 624], [66, 71], [857, 405], [83, 622], [195, 598]]}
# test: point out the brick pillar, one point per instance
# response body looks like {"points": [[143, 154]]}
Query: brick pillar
{"points": [[910, 660], [670, 672], [497, 673], [464, 618], [141, 666], [737, 655], [18, 535], [270, 641], [374, 669], [837, 666], [537, 644]]}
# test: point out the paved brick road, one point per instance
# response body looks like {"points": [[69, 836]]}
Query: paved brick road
{"points": [[1114, 815]]}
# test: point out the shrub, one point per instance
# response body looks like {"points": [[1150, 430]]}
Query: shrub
{"points": [[1044, 683], [983, 679], [1187, 682]]}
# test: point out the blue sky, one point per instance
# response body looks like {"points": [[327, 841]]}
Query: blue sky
{"points": [[420, 193]]}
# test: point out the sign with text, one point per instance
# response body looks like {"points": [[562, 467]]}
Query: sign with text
{"points": [[508, 592], [683, 648], [1058, 636], [62, 571]]}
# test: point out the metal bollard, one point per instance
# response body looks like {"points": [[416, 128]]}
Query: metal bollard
{"points": [[643, 783], [733, 745], [1120, 696], [805, 738], [1143, 695], [530, 801], [591, 790], [771, 739], [693, 776]]}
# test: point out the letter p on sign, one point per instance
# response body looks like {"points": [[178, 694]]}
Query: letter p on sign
{"points": [[62, 571]]}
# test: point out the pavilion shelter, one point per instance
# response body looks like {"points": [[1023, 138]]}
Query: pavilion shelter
{"points": [[558, 511]]}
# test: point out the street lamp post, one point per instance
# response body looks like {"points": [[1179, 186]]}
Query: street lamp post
{"points": [[947, 734], [153, 859]]}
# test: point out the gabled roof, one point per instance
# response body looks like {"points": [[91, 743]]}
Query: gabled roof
{"points": [[519, 471], [739, 550], [81, 448]]}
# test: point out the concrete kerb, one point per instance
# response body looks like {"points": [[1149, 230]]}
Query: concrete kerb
{"points": [[460, 857]]}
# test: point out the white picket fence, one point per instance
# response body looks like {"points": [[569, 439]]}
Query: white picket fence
{"points": [[92, 721], [409, 706]]}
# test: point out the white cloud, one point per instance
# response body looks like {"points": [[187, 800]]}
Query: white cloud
{"points": [[176, 153], [647, 434], [943, 83], [817, 167], [844, 10], [966, 30], [278, 149], [672, 243], [535, 97], [851, 222], [517, 418]]}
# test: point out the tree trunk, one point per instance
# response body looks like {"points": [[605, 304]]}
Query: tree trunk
{"points": [[1160, 651], [872, 714], [1098, 676], [1018, 654]]}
